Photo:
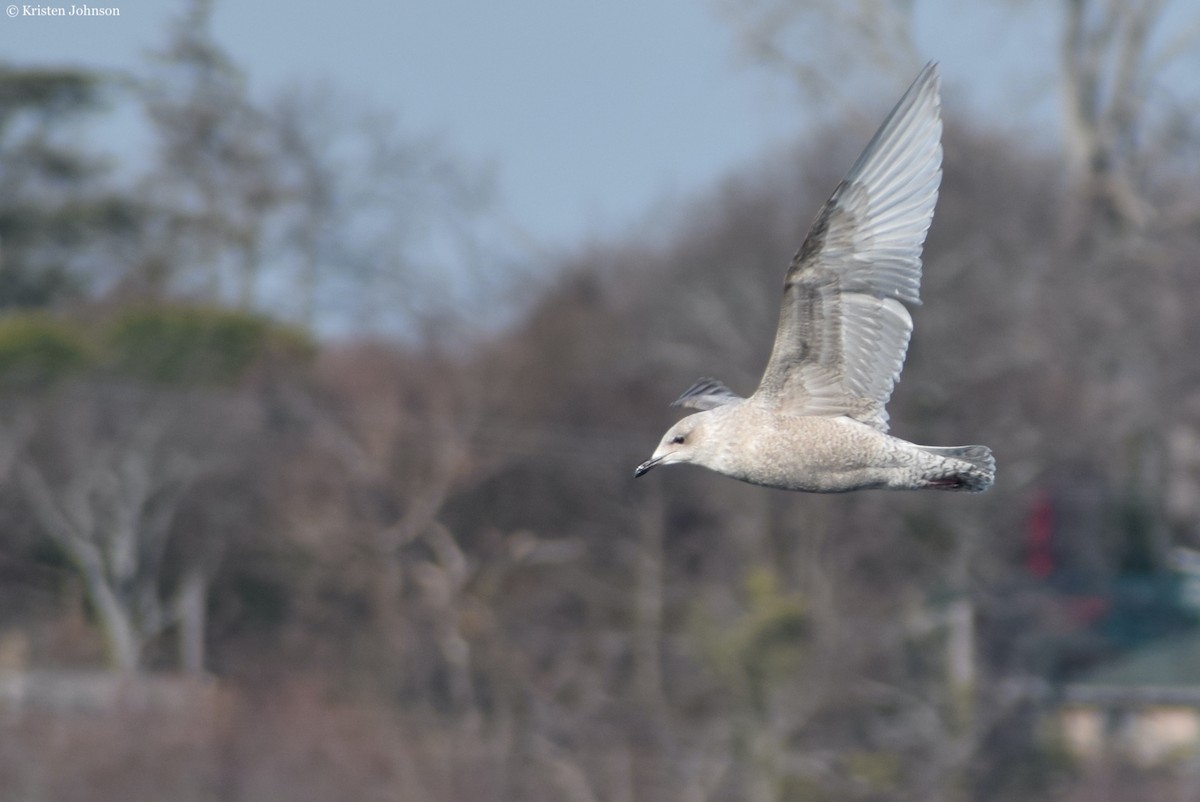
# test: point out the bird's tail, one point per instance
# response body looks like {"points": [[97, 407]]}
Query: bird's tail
{"points": [[968, 468]]}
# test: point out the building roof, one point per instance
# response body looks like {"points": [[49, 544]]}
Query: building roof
{"points": [[1167, 672]]}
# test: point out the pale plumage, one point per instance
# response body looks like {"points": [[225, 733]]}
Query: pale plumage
{"points": [[818, 420]]}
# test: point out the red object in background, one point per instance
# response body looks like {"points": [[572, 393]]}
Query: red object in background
{"points": [[1039, 534]]}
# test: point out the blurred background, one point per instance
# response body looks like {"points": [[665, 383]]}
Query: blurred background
{"points": [[330, 338]]}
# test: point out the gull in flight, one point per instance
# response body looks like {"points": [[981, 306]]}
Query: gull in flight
{"points": [[818, 421]]}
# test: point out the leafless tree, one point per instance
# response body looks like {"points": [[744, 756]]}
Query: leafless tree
{"points": [[1113, 61], [386, 225], [215, 182], [1124, 108], [824, 48], [105, 476]]}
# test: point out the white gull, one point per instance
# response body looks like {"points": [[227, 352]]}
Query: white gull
{"points": [[818, 421]]}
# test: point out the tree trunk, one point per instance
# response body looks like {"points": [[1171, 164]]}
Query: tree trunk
{"points": [[122, 641], [190, 612]]}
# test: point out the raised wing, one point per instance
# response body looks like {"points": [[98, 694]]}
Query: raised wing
{"points": [[842, 330], [706, 394]]}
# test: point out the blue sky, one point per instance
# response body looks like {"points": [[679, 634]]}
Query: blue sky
{"points": [[590, 114]]}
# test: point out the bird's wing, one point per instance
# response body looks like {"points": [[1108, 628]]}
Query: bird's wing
{"points": [[843, 330], [706, 394]]}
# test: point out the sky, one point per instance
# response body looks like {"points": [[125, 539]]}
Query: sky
{"points": [[590, 115]]}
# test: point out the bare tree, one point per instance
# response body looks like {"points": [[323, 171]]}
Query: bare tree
{"points": [[1122, 109], [824, 48], [105, 476], [1113, 57], [215, 181], [387, 227]]}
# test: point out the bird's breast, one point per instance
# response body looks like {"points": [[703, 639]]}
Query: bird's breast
{"points": [[799, 452]]}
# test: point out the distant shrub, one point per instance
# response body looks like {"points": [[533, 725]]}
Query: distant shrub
{"points": [[196, 344], [767, 644], [36, 350]]}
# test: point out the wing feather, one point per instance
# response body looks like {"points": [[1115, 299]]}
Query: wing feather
{"points": [[706, 394], [843, 327]]}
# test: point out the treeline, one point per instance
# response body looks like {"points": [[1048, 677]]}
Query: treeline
{"points": [[420, 567]]}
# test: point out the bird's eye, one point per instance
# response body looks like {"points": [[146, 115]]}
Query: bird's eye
{"points": [[677, 439]]}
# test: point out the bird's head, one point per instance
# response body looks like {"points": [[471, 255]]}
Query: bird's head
{"points": [[683, 442]]}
